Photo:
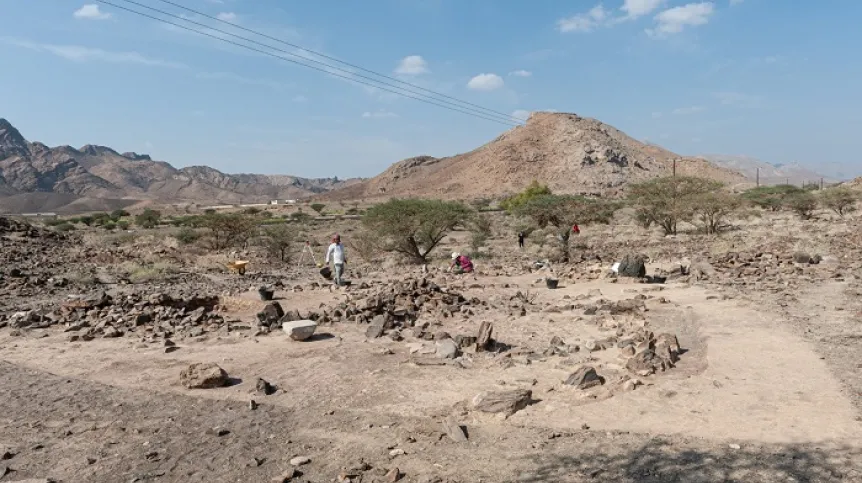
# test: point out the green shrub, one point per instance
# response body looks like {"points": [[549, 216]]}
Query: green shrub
{"points": [[187, 236]]}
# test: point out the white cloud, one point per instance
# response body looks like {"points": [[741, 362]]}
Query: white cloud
{"points": [[674, 20], [735, 2], [687, 110], [226, 16], [77, 53], [583, 22], [91, 12], [521, 114], [521, 73], [412, 65], [381, 114], [485, 82], [639, 8]]}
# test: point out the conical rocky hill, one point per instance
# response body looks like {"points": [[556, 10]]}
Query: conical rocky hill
{"points": [[571, 154]]}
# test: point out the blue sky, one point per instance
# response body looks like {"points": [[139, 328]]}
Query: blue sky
{"points": [[777, 80]]}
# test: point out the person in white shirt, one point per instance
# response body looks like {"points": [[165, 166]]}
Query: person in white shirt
{"points": [[336, 254]]}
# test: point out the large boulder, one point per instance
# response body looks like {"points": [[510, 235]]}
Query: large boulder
{"points": [[270, 314], [505, 402], [585, 378], [632, 266], [299, 329], [203, 376]]}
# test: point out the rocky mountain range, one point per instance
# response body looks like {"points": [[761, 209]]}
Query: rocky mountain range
{"points": [[35, 177], [571, 154], [793, 173]]}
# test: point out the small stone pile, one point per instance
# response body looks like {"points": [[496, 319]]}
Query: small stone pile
{"points": [[155, 316], [397, 303]]}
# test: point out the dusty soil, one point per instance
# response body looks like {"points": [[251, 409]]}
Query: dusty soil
{"points": [[766, 389]]}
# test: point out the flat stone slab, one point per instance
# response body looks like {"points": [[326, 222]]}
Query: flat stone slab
{"points": [[299, 329]]}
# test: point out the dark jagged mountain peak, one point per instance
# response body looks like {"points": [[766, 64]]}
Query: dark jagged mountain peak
{"points": [[12, 143], [137, 157]]}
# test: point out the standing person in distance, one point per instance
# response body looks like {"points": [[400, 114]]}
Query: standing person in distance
{"points": [[335, 252], [521, 240]]}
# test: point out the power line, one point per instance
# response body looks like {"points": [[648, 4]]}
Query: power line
{"points": [[351, 77], [334, 59]]}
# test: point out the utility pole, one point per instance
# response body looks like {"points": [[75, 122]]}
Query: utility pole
{"points": [[758, 177], [674, 167], [821, 184]]}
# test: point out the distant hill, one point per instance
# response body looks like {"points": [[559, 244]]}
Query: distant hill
{"points": [[770, 174], [35, 177], [571, 154]]}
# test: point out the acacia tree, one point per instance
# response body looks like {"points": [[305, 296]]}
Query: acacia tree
{"points": [[277, 239], [802, 203], [841, 200], [771, 197], [564, 211], [228, 229], [713, 209], [414, 227], [533, 190], [670, 200]]}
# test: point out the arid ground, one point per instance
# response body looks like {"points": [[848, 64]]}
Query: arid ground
{"points": [[766, 386]]}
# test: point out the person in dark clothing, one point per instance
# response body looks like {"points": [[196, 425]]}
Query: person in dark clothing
{"points": [[520, 239]]}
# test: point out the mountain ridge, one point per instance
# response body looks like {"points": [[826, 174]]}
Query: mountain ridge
{"points": [[100, 172]]}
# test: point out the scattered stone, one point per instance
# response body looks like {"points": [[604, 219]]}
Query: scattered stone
{"points": [[203, 376], [300, 460], [505, 402], [633, 266], [455, 432], [393, 475], [286, 477], [265, 388], [300, 329], [377, 327], [252, 405], [802, 258], [271, 314], [447, 349], [484, 341], [585, 378]]}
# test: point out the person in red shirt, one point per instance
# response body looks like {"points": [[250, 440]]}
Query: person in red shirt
{"points": [[461, 264], [576, 229]]}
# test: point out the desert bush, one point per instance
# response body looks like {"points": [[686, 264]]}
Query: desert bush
{"points": [[117, 214], [318, 207], [534, 190], [55, 222], [481, 229], [277, 239], [803, 203], [123, 225], [300, 217], [668, 201], [841, 200], [64, 227], [251, 210], [414, 227], [187, 236], [147, 273], [109, 225], [713, 210], [228, 229], [99, 219], [563, 212], [148, 219], [365, 245], [86, 219], [770, 197]]}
